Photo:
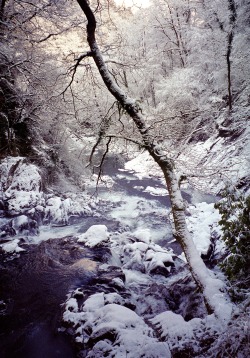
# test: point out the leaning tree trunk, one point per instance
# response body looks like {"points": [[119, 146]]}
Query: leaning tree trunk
{"points": [[210, 287], [232, 21]]}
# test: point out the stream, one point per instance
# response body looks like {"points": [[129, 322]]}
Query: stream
{"points": [[34, 285]]}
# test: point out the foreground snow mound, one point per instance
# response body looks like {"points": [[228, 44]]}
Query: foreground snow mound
{"points": [[112, 330], [205, 337], [186, 337], [94, 236], [174, 329]]}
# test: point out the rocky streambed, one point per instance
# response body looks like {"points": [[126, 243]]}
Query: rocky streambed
{"points": [[59, 284]]}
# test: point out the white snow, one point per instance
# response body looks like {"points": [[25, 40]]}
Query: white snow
{"points": [[94, 302], [216, 161], [12, 246], [172, 326], [135, 277], [156, 191], [21, 189], [58, 210], [142, 255], [143, 166], [19, 221], [72, 305], [202, 221], [95, 235], [132, 337], [158, 259], [143, 234]]}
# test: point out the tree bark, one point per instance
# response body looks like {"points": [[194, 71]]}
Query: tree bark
{"points": [[209, 286], [2, 6], [232, 20]]}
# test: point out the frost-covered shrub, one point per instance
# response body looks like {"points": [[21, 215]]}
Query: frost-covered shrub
{"points": [[234, 341], [235, 223]]}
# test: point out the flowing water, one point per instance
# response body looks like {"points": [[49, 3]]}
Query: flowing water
{"points": [[34, 285]]}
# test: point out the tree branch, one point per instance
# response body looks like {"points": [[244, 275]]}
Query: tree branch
{"points": [[140, 144], [74, 68]]}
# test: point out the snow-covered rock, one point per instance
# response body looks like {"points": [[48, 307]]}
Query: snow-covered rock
{"points": [[112, 330], [143, 234], [20, 185], [60, 210], [172, 326], [12, 246], [145, 257], [94, 236], [159, 262], [23, 224]]}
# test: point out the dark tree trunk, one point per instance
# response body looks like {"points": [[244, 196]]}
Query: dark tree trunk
{"points": [[232, 20]]}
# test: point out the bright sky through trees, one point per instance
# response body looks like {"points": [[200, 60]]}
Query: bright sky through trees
{"points": [[142, 3]]}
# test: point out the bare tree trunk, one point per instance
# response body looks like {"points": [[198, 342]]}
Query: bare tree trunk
{"points": [[2, 5], [232, 20], [177, 33], [229, 83], [209, 286]]}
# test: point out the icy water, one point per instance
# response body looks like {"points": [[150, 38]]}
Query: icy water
{"points": [[34, 285]]}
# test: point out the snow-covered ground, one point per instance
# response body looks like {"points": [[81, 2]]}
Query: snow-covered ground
{"points": [[218, 161]]}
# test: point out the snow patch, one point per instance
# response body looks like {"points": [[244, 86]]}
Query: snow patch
{"points": [[202, 221], [95, 235], [12, 246], [143, 166], [111, 329], [156, 191]]}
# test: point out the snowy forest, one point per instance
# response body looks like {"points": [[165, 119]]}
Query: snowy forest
{"points": [[124, 178]]}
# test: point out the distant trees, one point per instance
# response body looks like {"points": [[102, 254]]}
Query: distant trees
{"points": [[19, 68], [180, 62], [33, 76]]}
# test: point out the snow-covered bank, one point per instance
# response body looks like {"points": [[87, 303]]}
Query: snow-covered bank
{"points": [[221, 159], [208, 165], [27, 205]]}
